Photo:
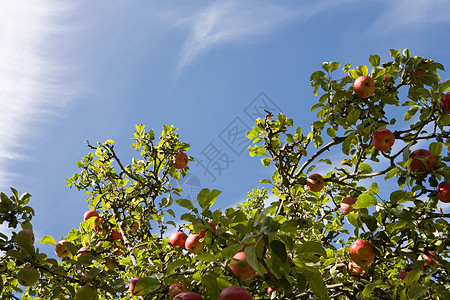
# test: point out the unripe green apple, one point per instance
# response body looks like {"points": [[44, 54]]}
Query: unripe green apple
{"points": [[86, 292], [26, 235], [28, 276]]}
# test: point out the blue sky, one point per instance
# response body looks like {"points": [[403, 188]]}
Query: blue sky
{"points": [[91, 70]]}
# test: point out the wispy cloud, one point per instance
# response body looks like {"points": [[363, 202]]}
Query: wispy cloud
{"points": [[230, 21], [410, 15], [28, 83]]}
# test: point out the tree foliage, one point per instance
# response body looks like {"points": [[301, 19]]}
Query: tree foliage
{"points": [[299, 244]]}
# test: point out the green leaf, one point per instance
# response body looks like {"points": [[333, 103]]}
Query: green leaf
{"points": [[417, 291], [331, 132], [185, 203], [334, 66], [252, 259], [256, 150], [266, 161], [411, 112], [206, 198], [229, 251], [369, 289], [436, 148], [48, 240], [346, 145], [412, 277], [370, 221], [373, 188], [269, 226], [312, 247], [146, 285], [279, 249], [374, 60], [172, 266], [365, 200], [315, 282], [206, 257]]}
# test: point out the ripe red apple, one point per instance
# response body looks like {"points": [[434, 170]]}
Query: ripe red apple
{"points": [[203, 232], [178, 239], [193, 244], [176, 289], [432, 262], [61, 250], [188, 296], [90, 214], [82, 251], [355, 271], [364, 87], [315, 182], [403, 274], [28, 276], [347, 203], [419, 74], [26, 235], [135, 288], [383, 139], [421, 160], [445, 102], [241, 268], [269, 291], [235, 293], [86, 292], [444, 191], [361, 252], [180, 161], [115, 234]]}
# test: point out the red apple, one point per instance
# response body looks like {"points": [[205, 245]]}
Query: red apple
{"points": [[26, 235], [383, 139], [178, 239], [269, 291], [403, 274], [241, 268], [445, 102], [421, 160], [432, 262], [444, 191], [176, 289], [180, 161], [61, 250], [355, 271], [235, 293], [193, 244], [347, 203], [361, 252], [364, 87], [188, 296], [115, 234], [90, 214], [203, 232], [28, 276], [419, 74], [315, 182], [82, 251]]}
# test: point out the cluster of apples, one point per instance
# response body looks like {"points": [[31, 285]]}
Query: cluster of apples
{"points": [[179, 291], [192, 243]]}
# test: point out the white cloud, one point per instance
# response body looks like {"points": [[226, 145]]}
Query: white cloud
{"points": [[230, 21], [410, 15], [27, 78]]}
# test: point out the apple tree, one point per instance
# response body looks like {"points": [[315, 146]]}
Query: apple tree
{"points": [[359, 210]]}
